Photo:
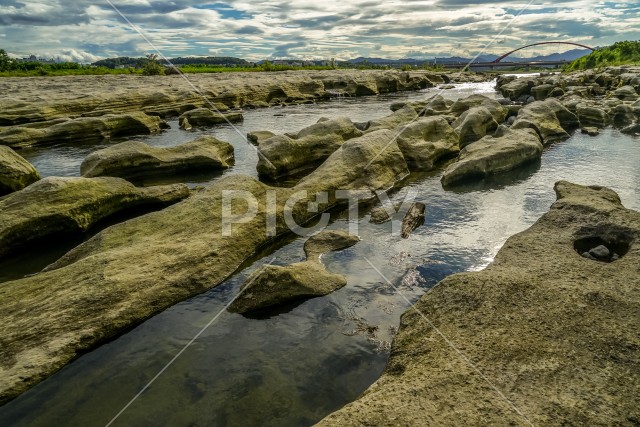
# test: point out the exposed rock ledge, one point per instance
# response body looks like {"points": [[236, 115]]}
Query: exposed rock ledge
{"points": [[15, 172], [555, 333], [134, 159], [275, 285], [96, 291]]}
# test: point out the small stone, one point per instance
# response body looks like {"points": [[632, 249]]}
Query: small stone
{"points": [[591, 131], [588, 256], [600, 252], [530, 100], [615, 257]]}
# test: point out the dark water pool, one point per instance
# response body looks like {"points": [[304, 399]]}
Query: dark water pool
{"points": [[295, 367]]}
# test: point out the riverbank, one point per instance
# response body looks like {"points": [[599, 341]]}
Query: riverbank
{"points": [[111, 294]]}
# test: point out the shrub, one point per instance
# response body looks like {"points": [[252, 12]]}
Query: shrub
{"points": [[151, 67]]}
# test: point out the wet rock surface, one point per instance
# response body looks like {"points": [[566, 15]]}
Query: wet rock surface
{"points": [[539, 316], [492, 155], [65, 205], [277, 285], [176, 253], [15, 172], [206, 117], [134, 159]]}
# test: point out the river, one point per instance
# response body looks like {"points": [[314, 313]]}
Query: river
{"points": [[296, 366]]}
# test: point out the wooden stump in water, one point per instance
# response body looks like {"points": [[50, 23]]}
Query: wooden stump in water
{"points": [[413, 219]]}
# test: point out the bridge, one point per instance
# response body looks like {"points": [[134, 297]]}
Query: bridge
{"points": [[498, 61]]}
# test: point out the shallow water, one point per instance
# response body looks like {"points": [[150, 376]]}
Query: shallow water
{"points": [[295, 367]]}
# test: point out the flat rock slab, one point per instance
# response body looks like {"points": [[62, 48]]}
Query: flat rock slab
{"points": [[542, 336], [81, 130], [58, 205], [135, 159], [275, 285], [494, 155], [205, 117], [15, 172]]}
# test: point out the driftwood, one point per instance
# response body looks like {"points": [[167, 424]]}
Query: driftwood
{"points": [[413, 219]]}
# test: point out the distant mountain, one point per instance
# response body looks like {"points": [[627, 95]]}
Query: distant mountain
{"points": [[569, 55]]}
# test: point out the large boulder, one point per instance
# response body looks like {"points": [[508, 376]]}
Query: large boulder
{"points": [[481, 347], [474, 124], [403, 116], [497, 110], [64, 205], [134, 160], [290, 155], [518, 88], [626, 93], [623, 115], [15, 172], [206, 117], [542, 92], [81, 130], [494, 155], [275, 285], [591, 115], [133, 270], [542, 116], [427, 141]]}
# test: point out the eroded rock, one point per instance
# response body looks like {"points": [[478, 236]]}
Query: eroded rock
{"points": [[427, 141], [63, 205], [15, 172], [275, 285], [546, 316], [205, 117], [133, 159], [81, 130], [494, 155]]}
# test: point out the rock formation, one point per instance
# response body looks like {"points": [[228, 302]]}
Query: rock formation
{"points": [[15, 172], [133, 159], [62, 205], [542, 336], [275, 285]]}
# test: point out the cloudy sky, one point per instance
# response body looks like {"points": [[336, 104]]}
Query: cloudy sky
{"points": [[87, 30]]}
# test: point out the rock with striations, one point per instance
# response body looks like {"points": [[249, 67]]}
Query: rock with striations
{"points": [[256, 137], [622, 115], [403, 116], [592, 115], [474, 124], [497, 110], [133, 270], [81, 130], [626, 93], [545, 319], [201, 117], [494, 155], [293, 155], [550, 119], [65, 205], [427, 141], [134, 160], [518, 88], [15, 172], [274, 285]]}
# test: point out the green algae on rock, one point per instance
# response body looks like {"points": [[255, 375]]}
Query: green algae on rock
{"points": [[275, 285], [15, 172], [95, 291], [61, 205], [135, 159]]}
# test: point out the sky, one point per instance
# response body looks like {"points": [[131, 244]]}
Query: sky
{"points": [[85, 31]]}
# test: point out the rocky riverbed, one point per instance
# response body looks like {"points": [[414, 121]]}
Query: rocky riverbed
{"points": [[181, 250]]}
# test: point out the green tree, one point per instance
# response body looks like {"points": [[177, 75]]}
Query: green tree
{"points": [[151, 67], [6, 63]]}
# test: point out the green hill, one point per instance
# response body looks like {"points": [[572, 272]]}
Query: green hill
{"points": [[620, 53]]}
